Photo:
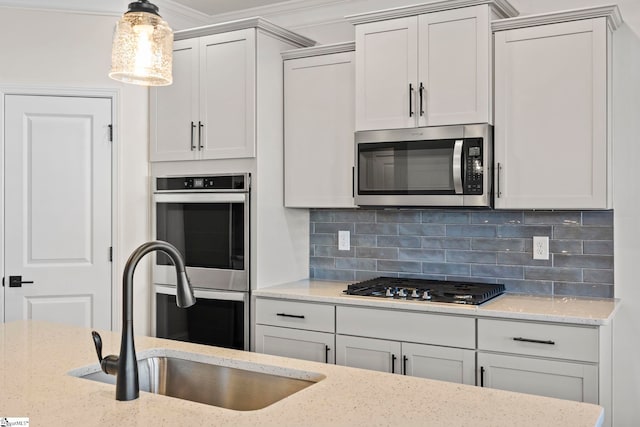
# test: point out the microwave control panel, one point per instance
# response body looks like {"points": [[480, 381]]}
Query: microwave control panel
{"points": [[474, 172]]}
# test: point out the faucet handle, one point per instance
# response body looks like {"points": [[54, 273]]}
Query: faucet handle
{"points": [[97, 340], [108, 364]]}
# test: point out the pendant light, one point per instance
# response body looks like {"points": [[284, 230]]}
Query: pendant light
{"points": [[142, 47]]}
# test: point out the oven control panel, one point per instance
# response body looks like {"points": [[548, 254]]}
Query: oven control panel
{"points": [[238, 182]]}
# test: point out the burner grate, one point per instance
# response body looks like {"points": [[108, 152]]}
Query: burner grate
{"points": [[426, 290]]}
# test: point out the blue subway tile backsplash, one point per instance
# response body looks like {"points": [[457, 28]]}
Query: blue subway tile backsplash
{"points": [[483, 246]]}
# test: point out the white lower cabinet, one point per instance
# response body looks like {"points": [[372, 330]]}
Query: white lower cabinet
{"points": [[411, 343], [295, 329], [418, 360], [544, 377], [299, 344], [539, 358]]}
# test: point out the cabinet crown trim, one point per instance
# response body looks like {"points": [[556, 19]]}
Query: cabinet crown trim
{"points": [[326, 49], [611, 12], [242, 24], [502, 8]]}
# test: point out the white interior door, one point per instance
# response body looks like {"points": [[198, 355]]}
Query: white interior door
{"points": [[58, 209]]}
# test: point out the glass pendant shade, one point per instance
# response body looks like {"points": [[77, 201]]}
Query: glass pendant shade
{"points": [[142, 47]]}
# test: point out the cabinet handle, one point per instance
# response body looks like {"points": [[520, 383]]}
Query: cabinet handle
{"points": [[297, 316], [549, 342], [393, 363], [421, 104], [410, 100], [326, 353], [404, 364], [200, 126], [499, 193], [193, 145], [481, 376]]}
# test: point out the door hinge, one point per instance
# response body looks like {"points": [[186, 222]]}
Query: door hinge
{"points": [[110, 133], [110, 253]]}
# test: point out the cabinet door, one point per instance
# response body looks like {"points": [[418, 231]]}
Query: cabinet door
{"points": [[439, 363], [368, 353], [318, 131], [544, 377], [386, 64], [551, 116], [299, 344], [174, 108], [454, 53], [227, 95]]}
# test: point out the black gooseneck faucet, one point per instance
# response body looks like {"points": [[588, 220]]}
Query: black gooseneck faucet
{"points": [[125, 366]]}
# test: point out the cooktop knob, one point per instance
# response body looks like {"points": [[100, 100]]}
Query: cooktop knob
{"points": [[389, 292], [426, 295], [402, 293], [415, 294]]}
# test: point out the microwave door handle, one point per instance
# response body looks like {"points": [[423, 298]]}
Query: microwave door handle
{"points": [[457, 166]]}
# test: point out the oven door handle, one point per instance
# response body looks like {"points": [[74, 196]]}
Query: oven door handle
{"points": [[205, 293], [457, 166], [200, 197]]}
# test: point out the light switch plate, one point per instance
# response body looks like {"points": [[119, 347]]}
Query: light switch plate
{"points": [[344, 240]]}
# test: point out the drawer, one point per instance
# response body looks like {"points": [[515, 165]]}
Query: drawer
{"points": [[294, 314], [425, 328], [538, 339]]}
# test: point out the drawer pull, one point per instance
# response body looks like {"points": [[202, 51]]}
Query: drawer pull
{"points": [[297, 316], [534, 341]]}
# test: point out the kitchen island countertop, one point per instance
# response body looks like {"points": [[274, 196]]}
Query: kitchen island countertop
{"points": [[561, 309], [35, 358]]}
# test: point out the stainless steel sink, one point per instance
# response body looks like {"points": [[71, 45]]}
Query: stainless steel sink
{"points": [[212, 384]]}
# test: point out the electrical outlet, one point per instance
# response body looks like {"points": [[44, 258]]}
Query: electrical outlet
{"points": [[540, 247], [344, 240]]}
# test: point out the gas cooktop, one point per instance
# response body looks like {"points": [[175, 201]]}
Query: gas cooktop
{"points": [[426, 290]]}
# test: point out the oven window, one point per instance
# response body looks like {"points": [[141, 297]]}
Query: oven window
{"points": [[209, 235], [209, 321], [415, 167]]}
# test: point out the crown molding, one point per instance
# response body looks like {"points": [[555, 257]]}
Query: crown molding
{"points": [[284, 7], [502, 8], [610, 12], [242, 24], [325, 49], [171, 10]]}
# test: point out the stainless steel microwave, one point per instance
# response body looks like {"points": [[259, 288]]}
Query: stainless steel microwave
{"points": [[447, 166]]}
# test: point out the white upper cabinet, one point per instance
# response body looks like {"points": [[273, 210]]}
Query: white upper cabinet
{"points": [[386, 74], [174, 108], [552, 130], [454, 78], [227, 95], [209, 112], [318, 127], [425, 65]]}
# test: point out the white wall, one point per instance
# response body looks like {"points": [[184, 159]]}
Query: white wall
{"points": [[626, 132], [69, 50]]}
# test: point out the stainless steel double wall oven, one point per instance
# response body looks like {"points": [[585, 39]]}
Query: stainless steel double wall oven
{"points": [[207, 219]]}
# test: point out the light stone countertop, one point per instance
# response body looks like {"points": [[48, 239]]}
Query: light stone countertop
{"points": [[575, 310], [35, 358]]}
